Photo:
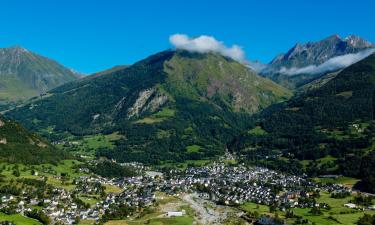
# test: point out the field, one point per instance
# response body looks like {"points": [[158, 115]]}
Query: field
{"points": [[52, 172], [112, 189], [347, 181], [185, 164], [87, 145], [117, 222], [86, 222], [193, 148], [172, 221], [338, 214], [155, 215], [184, 220], [253, 207], [18, 219], [91, 200], [257, 131], [329, 163], [158, 117]]}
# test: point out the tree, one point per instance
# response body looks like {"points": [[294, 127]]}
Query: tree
{"points": [[273, 208], [16, 173], [316, 211], [77, 220], [366, 220]]}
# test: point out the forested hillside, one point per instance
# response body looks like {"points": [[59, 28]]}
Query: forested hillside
{"points": [[330, 129], [161, 106], [17, 145]]}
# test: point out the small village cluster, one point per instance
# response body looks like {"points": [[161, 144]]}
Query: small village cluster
{"points": [[218, 182], [233, 185]]}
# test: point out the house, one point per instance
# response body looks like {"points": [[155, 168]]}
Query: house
{"points": [[350, 205], [174, 214]]}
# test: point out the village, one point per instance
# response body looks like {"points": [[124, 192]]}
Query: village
{"points": [[218, 182]]}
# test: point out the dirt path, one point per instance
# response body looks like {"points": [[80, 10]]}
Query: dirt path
{"points": [[209, 213]]}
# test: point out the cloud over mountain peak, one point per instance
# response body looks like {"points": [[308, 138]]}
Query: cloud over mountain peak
{"points": [[205, 44]]}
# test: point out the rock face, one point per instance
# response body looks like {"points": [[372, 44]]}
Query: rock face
{"points": [[148, 101], [25, 74], [3, 141], [315, 53], [311, 54]]}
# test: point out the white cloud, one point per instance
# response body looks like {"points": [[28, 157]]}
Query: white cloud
{"points": [[205, 44], [332, 64]]}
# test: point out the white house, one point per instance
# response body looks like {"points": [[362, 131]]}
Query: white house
{"points": [[174, 214], [350, 205]]}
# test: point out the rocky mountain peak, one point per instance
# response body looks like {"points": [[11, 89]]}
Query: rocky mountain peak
{"points": [[315, 53], [334, 37], [312, 54], [358, 42], [25, 74]]}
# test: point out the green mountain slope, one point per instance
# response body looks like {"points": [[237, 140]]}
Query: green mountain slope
{"points": [[24, 74], [160, 105], [334, 120], [17, 145]]}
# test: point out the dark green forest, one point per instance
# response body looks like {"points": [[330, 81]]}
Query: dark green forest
{"points": [[17, 145], [335, 120]]}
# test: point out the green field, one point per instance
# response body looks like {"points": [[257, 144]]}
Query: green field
{"points": [[18, 219], [65, 166], [347, 181], [184, 220], [87, 145], [112, 189], [155, 215], [185, 164], [193, 148], [253, 207], [338, 211], [86, 222], [158, 117], [257, 131], [54, 171], [165, 113], [91, 200]]}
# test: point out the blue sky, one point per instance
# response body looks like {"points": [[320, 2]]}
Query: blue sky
{"points": [[92, 35]]}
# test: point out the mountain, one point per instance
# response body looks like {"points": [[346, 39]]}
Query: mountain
{"points": [[107, 71], [24, 74], [161, 105], [306, 62], [317, 83], [17, 145], [331, 126]]}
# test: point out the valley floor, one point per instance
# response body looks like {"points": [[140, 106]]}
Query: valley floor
{"points": [[215, 193]]}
